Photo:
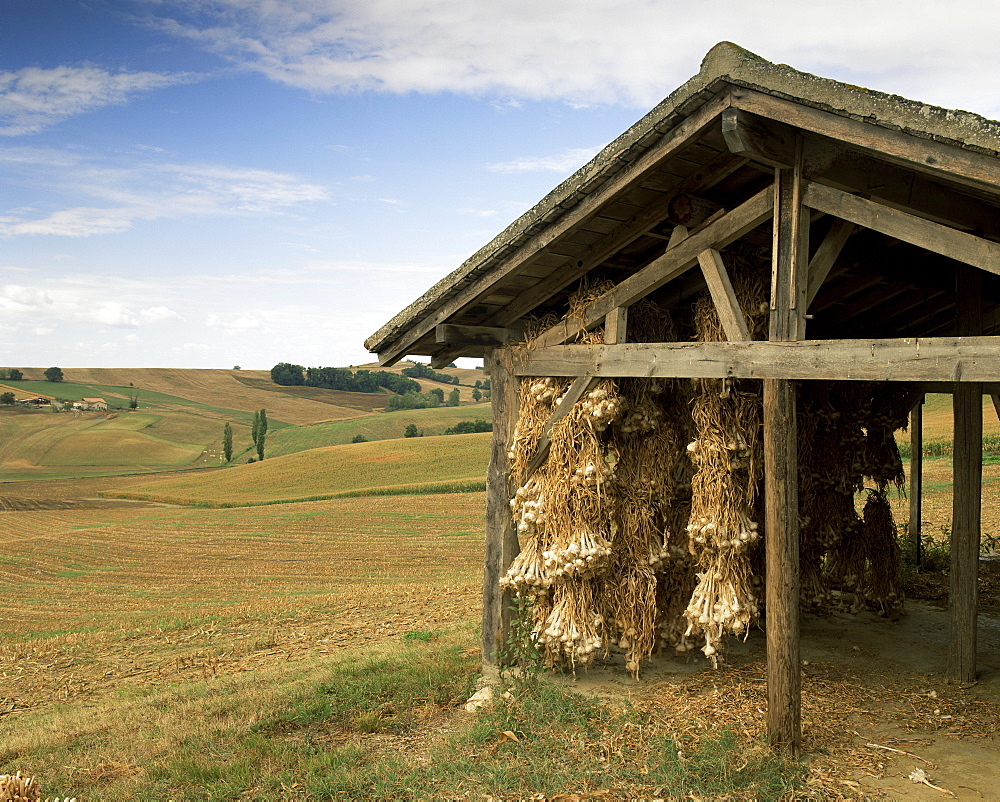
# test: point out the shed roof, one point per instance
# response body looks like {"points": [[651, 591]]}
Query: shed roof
{"points": [[726, 67]]}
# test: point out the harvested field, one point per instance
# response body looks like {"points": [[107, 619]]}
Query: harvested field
{"points": [[322, 472]]}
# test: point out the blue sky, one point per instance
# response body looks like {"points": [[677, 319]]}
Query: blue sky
{"points": [[204, 183]]}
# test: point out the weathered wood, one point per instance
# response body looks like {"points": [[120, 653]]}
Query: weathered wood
{"points": [[501, 535], [782, 566], [931, 359], [789, 278], [940, 159], [916, 477], [727, 307], [826, 256], [963, 599], [967, 494], [996, 403], [673, 142], [616, 325], [678, 259], [577, 390], [489, 336], [790, 252], [954, 244], [757, 139], [628, 232]]}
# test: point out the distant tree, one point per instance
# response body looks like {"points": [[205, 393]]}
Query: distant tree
{"points": [[477, 394], [261, 433], [470, 427], [7, 398], [287, 374], [53, 374], [478, 384], [227, 441], [237, 367], [411, 430], [436, 396], [14, 374], [453, 398], [359, 438], [133, 401], [486, 384], [254, 428]]}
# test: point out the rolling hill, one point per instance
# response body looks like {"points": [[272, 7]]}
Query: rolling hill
{"points": [[419, 464]]}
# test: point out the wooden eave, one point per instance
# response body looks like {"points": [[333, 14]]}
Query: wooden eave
{"points": [[708, 149]]}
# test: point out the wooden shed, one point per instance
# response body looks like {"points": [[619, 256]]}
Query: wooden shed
{"points": [[879, 219]]}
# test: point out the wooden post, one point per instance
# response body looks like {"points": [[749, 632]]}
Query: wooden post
{"points": [[501, 535], [788, 303], [967, 489], [916, 476]]}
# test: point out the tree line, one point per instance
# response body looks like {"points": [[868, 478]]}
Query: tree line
{"points": [[362, 381]]}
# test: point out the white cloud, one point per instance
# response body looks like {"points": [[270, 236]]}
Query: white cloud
{"points": [[35, 98], [598, 51], [114, 314], [157, 314], [15, 298], [565, 162], [121, 193]]}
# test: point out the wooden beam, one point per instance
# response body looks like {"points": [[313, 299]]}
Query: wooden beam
{"points": [[616, 325], [967, 495], [996, 403], [675, 261], [562, 225], [501, 535], [957, 245], [790, 252], [963, 598], [946, 162], [781, 495], [916, 477], [488, 336], [929, 359], [628, 232], [782, 570], [826, 256], [721, 289], [757, 139]]}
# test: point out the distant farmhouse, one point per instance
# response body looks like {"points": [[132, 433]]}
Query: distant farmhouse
{"points": [[91, 404]]}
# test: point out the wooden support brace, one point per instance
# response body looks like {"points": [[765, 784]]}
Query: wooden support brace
{"points": [[930, 236], [684, 255], [826, 256], [616, 325], [727, 307], [577, 390], [996, 404]]}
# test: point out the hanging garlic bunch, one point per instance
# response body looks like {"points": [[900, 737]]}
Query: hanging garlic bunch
{"points": [[602, 406], [526, 572], [567, 633], [720, 537], [528, 507], [719, 606], [582, 557], [640, 419]]}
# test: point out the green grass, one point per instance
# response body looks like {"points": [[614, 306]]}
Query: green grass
{"points": [[314, 737], [456, 463], [378, 426]]}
